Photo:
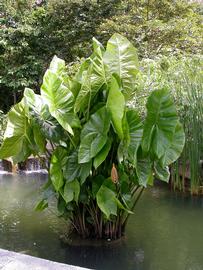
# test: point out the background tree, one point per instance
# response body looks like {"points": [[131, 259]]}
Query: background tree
{"points": [[31, 32], [158, 27]]}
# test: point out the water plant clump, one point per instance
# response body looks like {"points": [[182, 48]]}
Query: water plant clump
{"points": [[102, 154]]}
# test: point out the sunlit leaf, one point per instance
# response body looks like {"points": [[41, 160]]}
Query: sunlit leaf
{"points": [[59, 98], [17, 138], [121, 58], [92, 79], [116, 106]]}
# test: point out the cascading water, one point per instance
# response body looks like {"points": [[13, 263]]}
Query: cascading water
{"points": [[5, 166], [33, 165]]}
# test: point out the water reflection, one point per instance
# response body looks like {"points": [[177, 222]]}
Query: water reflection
{"points": [[165, 233]]}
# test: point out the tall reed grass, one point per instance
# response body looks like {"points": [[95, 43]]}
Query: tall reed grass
{"points": [[187, 85]]}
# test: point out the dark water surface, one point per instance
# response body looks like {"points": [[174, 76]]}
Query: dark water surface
{"points": [[165, 233]]}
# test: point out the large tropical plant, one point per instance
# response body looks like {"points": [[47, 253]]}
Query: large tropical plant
{"points": [[101, 153]]}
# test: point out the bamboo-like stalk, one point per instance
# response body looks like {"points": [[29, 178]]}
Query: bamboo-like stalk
{"points": [[187, 85]]}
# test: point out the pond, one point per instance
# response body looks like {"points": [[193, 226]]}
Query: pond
{"points": [[165, 233]]}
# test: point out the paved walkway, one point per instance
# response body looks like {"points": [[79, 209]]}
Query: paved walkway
{"points": [[15, 261]]}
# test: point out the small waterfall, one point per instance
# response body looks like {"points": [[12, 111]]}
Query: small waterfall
{"points": [[33, 165], [1, 166], [6, 166]]}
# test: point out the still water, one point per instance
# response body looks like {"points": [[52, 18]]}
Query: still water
{"points": [[165, 233]]}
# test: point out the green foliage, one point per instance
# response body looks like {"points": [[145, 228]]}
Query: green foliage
{"points": [[160, 123], [116, 106], [188, 85], [94, 135], [183, 77], [17, 135], [56, 168], [31, 34], [158, 27], [121, 58], [106, 200], [58, 97], [98, 169]]}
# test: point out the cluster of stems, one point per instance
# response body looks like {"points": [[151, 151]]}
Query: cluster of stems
{"points": [[88, 221]]}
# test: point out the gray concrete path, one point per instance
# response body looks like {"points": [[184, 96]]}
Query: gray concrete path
{"points": [[15, 261]]}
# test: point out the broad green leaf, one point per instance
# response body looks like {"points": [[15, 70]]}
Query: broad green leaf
{"points": [[71, 191], [17, 137], [33, 101], [38, 111], [162, 173], [160, 123], [85, 169], [94, 135], [96, 45], [56, 165], [39, 138], [106, 200], [109, 184], [72, 169], [86, 93], [57, 65], [116, 106], [59, 99], [100, 72], [93, 79], [121, 58], [135, 133], [51, 129], [144, 171], [78, 78], [176, 147], [101, 156]]}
